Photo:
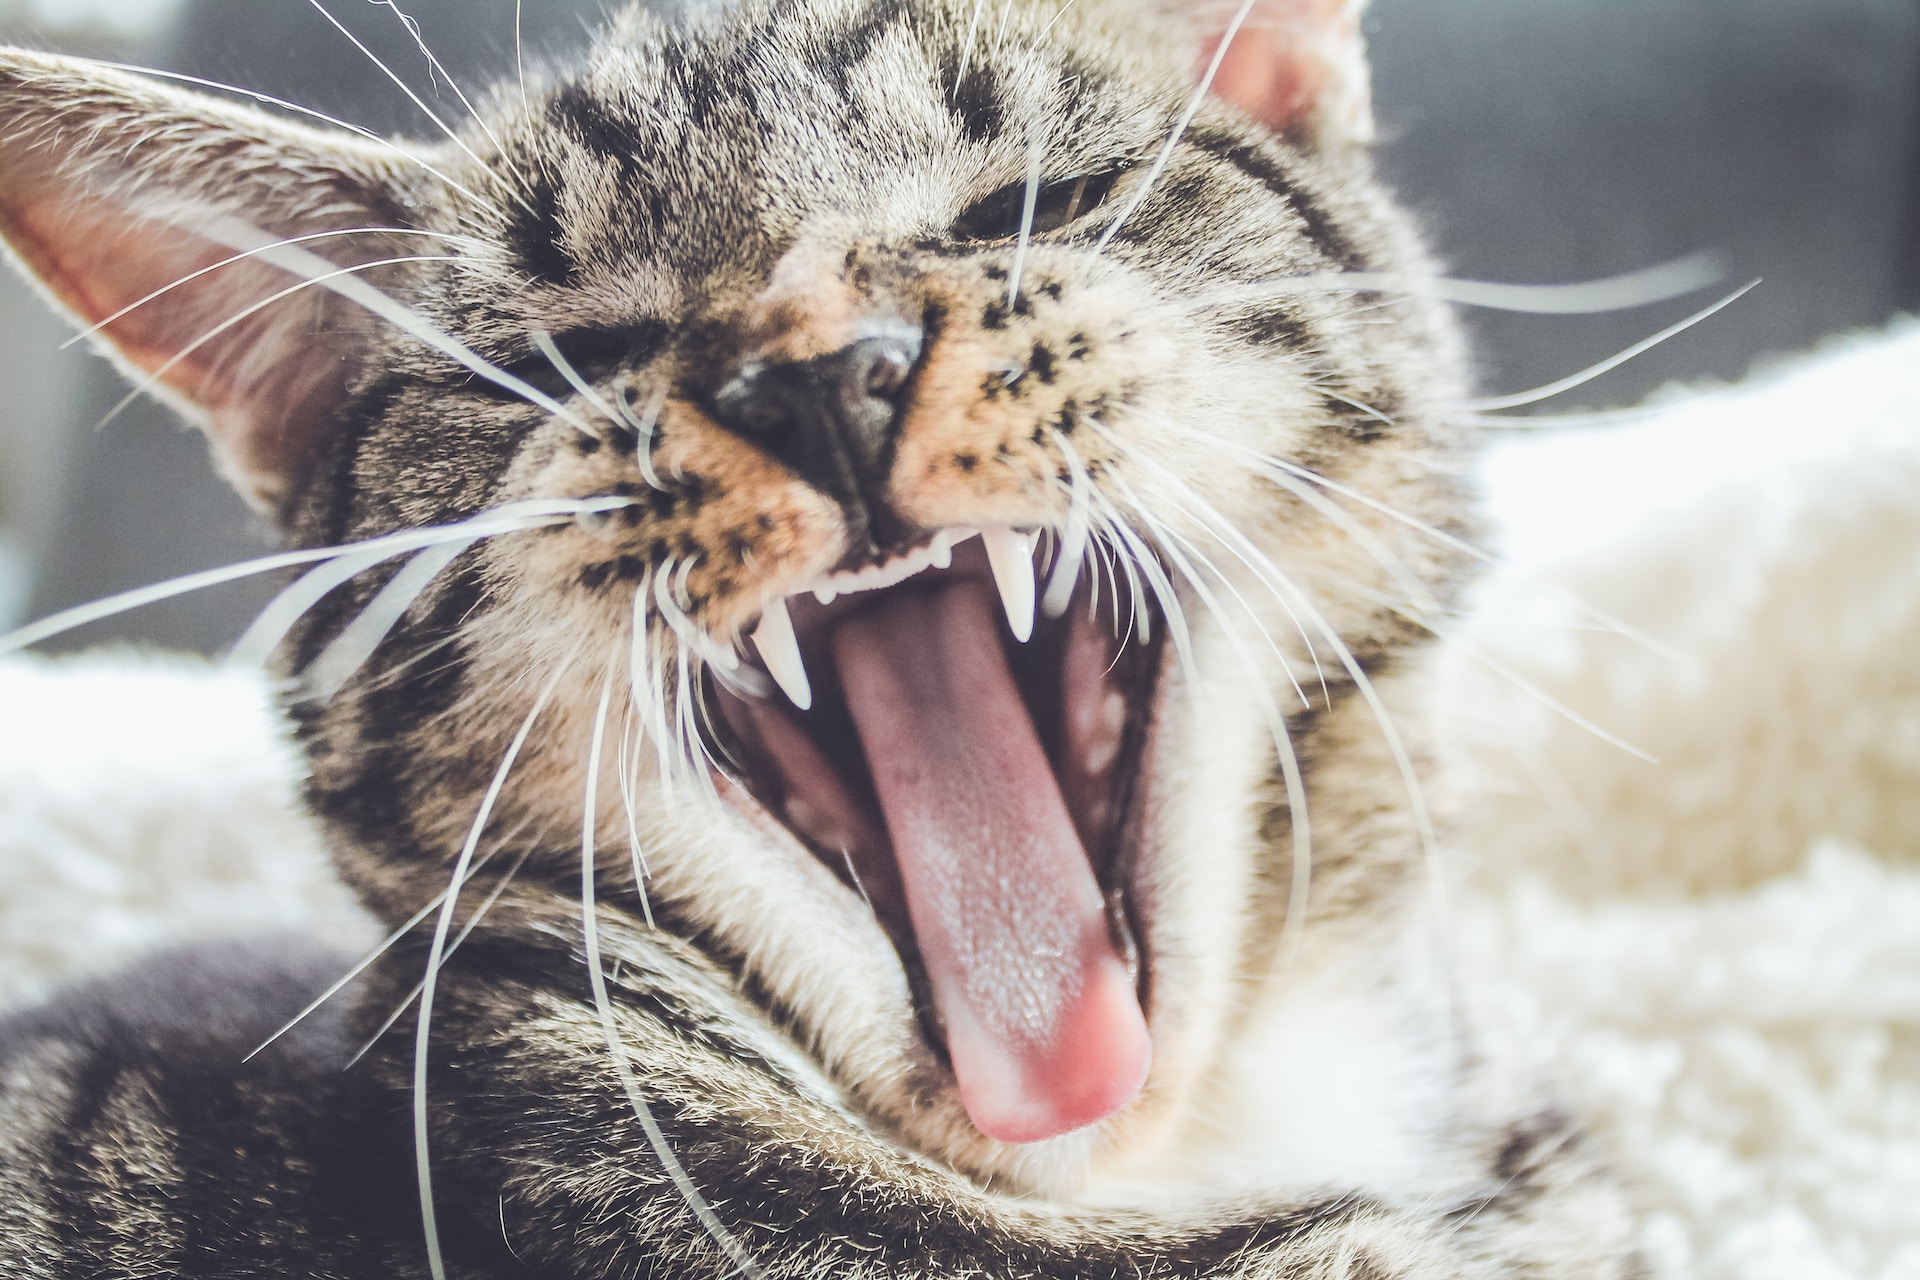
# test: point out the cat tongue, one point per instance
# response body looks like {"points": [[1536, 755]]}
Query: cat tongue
{"points": [[1043, 1027]]}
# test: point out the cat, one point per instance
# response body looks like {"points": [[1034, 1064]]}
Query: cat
{"points": [[864, 566]]}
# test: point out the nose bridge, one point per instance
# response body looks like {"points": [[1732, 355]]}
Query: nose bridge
{"points": [[821, 383]]}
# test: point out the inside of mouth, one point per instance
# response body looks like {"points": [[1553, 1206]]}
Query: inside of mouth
{"points": [[974, 788]]}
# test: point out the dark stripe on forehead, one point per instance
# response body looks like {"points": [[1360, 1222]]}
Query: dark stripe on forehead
{"points": [[975, 101], [1254, 161], [842, 52], [535, 235]]}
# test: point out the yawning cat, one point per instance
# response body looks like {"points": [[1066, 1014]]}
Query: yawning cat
{"points": [[864, 568]]}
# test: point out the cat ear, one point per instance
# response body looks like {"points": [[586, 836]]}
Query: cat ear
{"points": [[119, 196], [1298, 65]]}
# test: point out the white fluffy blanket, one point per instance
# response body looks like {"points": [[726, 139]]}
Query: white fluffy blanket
{"points": [[1691, 857]]}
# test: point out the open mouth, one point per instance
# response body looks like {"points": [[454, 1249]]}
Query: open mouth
{"points": [[974, 783]]}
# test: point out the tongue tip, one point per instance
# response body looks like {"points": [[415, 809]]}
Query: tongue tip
{"points": [[1096, 1065]]}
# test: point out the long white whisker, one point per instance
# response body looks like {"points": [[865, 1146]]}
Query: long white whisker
{"points": [[1035, 155], [385, 946], [512, 517], [1073, 542], [423, 1167], [1294, 928], [548, 348], [94, 329], [520, 47], [452, 135], [473, 922], [603, 1003], [156, 376], [349, 650], [966, 43], [629, 781], [642, 428], [1272, 467], [1639, 288], [420, 41], [1591, 372], [1165, 156], [283, 104], [240, 235]]}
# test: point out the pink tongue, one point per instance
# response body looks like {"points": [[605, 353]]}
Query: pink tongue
{"points": [[1043, 1026]]}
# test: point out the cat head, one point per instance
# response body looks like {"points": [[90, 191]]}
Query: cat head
{"points": [[906, 466]]}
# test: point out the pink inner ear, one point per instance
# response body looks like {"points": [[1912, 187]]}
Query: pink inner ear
{"points": [[262, 387], [1297, 64]]}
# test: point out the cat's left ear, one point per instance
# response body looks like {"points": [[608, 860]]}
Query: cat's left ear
{"points": [[1298, 65], [112, 187]]}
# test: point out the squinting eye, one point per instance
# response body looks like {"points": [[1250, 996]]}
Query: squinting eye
{"points": [[998, 216], [593, 354]]}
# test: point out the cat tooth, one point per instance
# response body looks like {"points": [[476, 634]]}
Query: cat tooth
{"points": [[1011, 555], [780, 650], [824, 594]]}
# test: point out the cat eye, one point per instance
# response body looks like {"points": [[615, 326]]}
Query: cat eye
{"points": [[1059, 204], [593, 354]]}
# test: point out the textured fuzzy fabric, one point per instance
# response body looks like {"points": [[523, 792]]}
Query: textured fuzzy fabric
{"points": [[1689, 855]]}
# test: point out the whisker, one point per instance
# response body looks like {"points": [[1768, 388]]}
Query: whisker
{"points": [[1165, 155], [1293, 929], [386, 945], [1641, 288], [240, 235], [1035, 155], [442, 927], [267, 99], [511, 517], [420, 40], [1073, 542], [153, 379], [350, 650], [466, 930], [520, 48], [1612, 362], [642, 428], [95, 329], [966, 43], [548, 348], [603, 1003], [629, 781], [452, 135]]}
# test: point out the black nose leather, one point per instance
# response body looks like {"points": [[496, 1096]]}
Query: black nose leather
{"points": [[833, 420]]}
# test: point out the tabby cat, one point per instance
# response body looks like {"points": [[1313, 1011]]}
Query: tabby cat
{"points": [[862, 570]]}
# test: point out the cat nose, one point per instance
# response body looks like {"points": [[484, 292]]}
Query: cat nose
{"points": [[833, 420]]}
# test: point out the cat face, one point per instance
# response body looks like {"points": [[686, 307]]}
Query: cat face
{"points": [[983, 509]]}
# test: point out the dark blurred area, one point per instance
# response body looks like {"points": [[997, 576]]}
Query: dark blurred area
{"points": [[1538, 141]]}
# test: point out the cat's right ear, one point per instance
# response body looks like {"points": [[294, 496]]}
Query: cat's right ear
{"points": [[1300, 66], [109, 186]]}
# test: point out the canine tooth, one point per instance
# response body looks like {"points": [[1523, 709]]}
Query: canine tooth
{"points": [[825, 594], [942, 550], [1011, 555], [780, 650]]}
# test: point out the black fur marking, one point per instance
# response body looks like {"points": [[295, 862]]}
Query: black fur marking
{"points": [[1257, 163], [1042, 364], [537, 237], [975, 101]]}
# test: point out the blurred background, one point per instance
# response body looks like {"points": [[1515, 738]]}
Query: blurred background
{"points": [[1538, 141]]}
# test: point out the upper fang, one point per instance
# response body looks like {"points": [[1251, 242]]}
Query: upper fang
{"points": [[780, 651], [1011, 555]]}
